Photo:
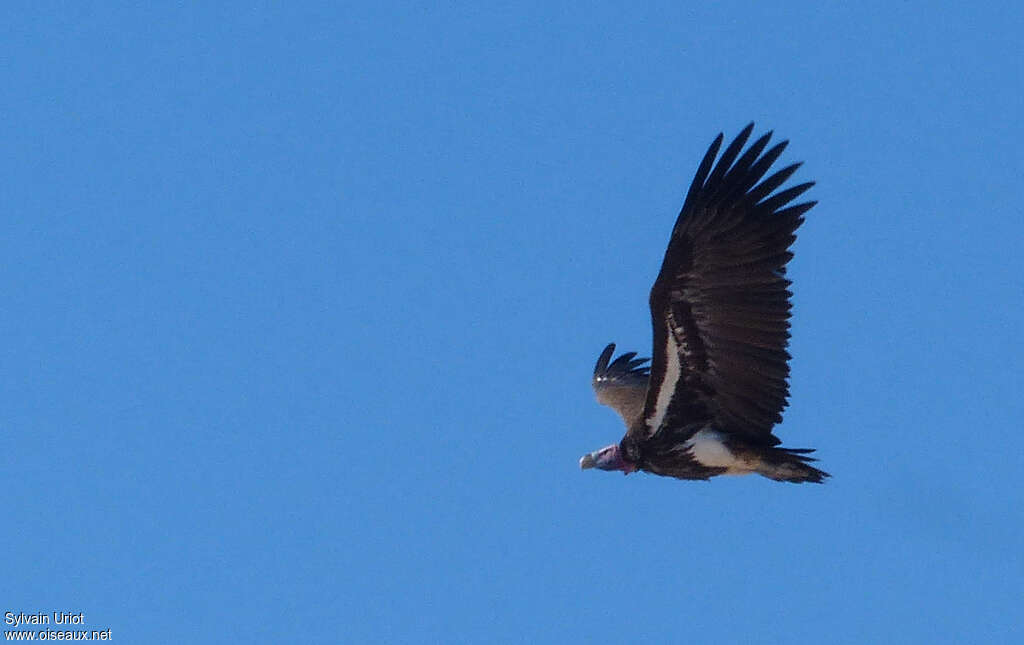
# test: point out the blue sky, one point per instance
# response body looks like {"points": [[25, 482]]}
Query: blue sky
{"points": [[301, 303]]}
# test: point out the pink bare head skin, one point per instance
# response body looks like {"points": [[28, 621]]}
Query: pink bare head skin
{"points": [[607, 458]]}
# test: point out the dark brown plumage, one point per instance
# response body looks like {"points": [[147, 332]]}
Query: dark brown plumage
{"points": [[720, 311]]}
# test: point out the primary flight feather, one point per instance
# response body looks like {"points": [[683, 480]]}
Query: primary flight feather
{"points": [[717, 382]]}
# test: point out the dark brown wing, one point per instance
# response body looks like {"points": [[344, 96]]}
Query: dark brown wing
{"points": [[720, 306], [621, 384]]}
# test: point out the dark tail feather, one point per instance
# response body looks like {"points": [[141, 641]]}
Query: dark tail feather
{"points": [[790, 465]]}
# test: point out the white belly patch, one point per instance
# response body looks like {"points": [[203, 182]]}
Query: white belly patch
{"points": [[708, 449]]}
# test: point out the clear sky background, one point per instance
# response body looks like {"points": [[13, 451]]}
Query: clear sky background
{"points": [[301, 301]]}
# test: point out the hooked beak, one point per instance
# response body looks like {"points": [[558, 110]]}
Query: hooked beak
{"points": [[587, 461]]}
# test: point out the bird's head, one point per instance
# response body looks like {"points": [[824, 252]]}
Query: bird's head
{"points": [[607, 458]]}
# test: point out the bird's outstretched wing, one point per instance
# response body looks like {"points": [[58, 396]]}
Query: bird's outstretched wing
{"points": [[720, 305], [622, 383]]}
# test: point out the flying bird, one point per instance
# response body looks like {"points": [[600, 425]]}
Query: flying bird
{"points": [[718, 379]]}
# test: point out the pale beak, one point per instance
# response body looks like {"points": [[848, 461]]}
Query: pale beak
{"points": [[586, 461]]}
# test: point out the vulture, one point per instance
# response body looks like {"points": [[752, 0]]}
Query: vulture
{"points": [[718, 377]]}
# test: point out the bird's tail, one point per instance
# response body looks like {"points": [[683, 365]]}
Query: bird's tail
{"points": [[790, 465]]}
